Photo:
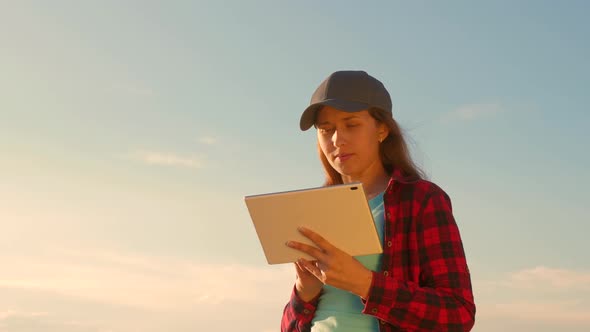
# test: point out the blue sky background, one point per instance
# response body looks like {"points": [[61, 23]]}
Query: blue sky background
{"points": [[130, 132]]}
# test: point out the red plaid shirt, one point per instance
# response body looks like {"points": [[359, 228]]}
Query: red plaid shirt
{"points": [[424, 284]]}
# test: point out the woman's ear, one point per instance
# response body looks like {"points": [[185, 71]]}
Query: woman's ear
{"points": [[382, 132]]}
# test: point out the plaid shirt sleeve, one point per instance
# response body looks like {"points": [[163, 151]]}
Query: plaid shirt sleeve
{"points": [[298, 314], [440, 298]]}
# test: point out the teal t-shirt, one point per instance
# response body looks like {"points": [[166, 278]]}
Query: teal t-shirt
{"points": [[340, 310]]}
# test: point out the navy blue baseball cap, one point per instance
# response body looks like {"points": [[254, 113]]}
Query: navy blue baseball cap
{"points": [[348, 91]]}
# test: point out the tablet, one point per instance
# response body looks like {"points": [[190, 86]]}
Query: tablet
{"points": [[339, 213]]}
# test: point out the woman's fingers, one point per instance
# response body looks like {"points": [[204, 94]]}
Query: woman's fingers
{"points": [[298, 269], [322, 243], [310, 250], [311, 267], [321, 252], [332, 266], [301, 270], [324, 254]]}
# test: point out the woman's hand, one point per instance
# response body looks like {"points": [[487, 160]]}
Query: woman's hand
{"points": [[333, 266], [307, 285]]}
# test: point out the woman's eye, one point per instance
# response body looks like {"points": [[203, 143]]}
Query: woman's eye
{"points": [[326, 130], [352, 125]]}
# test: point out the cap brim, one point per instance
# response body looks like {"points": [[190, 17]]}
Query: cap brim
{"points": [[308, 117]]}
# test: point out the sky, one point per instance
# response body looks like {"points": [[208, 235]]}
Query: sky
{"points": [[130, 132]]}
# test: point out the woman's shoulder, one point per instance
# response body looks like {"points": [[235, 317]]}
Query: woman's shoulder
{"points": [[420, 189], [418, 195], [431, 190], [429, 187]]}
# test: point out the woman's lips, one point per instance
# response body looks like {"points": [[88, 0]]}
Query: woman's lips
{"points": [[344, 156]]}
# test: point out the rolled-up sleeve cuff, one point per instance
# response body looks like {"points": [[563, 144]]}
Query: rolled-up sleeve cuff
{"points": [[374, 303], [304, 308]]}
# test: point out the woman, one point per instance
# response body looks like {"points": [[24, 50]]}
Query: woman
{"points": [[421, 281]]}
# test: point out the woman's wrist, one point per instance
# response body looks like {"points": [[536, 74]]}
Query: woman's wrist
{"points": [[307, 296], [364, 285]]}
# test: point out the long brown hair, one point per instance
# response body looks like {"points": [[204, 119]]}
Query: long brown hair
{"points": [[393, 152]]}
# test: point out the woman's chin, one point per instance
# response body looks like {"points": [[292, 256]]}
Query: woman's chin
{"points": [[346, 171]]}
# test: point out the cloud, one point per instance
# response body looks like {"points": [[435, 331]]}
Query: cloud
{"points": [[16, 321], [537, 294], [151, 283], [198, 294], [542, 276], [472, 112], [167, 159], [207, 140], [4, 315], [561, 312], [99, 291]]}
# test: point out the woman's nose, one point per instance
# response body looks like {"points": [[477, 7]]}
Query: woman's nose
{"points": [[337, 138]]}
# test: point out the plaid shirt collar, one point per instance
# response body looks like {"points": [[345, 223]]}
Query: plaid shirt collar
{"points": [[398, 176]]}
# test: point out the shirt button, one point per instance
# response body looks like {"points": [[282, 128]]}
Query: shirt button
{"points": [[374, 310], [306, 311], [388, 215], [389, 243], [382, 322], [386, 273]]}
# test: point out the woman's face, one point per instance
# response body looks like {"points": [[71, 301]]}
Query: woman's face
{"points": [[350, 141]]}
